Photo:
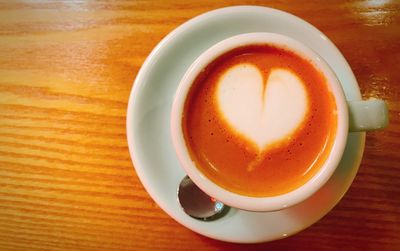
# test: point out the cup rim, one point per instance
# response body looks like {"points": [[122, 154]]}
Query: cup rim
{"points": [[249, 203]]}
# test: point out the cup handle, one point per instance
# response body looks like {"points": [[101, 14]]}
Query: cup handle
{"points": [[367, 115]]}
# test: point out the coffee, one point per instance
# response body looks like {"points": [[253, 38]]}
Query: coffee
{"points": [[259, 120]]}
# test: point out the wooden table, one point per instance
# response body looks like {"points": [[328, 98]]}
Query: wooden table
{"points": [[66, 178]]}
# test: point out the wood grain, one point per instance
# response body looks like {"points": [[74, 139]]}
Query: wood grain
{"points": [[66, 179]]}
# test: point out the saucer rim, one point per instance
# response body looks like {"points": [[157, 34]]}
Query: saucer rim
{"points": [[136, 90]]}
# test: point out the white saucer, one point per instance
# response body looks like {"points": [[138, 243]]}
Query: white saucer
{"points": [[149, 110]]}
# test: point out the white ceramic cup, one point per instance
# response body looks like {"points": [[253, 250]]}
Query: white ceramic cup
{"points": [[365, 115]]}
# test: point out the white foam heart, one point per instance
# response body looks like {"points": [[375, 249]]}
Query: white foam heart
{"points": [[263, 112]]}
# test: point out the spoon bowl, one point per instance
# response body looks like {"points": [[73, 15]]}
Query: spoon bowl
{"points": [[198, 204]]}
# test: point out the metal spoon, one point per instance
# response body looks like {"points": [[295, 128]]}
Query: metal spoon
{"points": [[198, 204]]}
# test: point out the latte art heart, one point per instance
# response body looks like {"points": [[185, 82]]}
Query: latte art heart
{"points": [[263, 112]]}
